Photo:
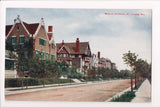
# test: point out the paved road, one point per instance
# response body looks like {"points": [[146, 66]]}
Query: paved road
{"points": [[92, 92]]}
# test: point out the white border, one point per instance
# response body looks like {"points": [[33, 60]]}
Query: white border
{"points": [[154, 5]]}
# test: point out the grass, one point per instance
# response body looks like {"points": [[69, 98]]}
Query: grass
{"points": [[126, 97]]}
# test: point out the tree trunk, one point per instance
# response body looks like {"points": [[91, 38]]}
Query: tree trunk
{"points": [[43, 82], [22, 82], [135, 79], [27, 84], [131, 83]]}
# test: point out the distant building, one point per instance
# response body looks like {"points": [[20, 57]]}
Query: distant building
{"points": [[113, 66], [76, 53], [101, 61], [94, 60], [43, 41], [105, 63], [108, 63]]}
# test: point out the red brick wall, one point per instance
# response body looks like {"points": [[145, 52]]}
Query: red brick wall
{"points": [[17, 32], [53, 51], [42, 34]]}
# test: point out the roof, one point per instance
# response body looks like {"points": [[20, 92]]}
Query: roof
{"points": [[71, 47], [31, 28], [8, 28]]}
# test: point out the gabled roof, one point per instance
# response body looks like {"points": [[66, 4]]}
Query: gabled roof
{"points": [[31, 27], [71, 47], [63, 49]]}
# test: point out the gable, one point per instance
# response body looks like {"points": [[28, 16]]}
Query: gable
{"points": [[71, 47], [42, 33], [63, 50], [16, 30]]}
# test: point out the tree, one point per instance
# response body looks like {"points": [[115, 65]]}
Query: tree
{"points": [[124, 73], [139, 66], [21, 61], [143, 68], [92, 73], [64, 67], [130, 59]]}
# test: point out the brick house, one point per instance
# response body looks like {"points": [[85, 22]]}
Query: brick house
{"points": [[113, 66], [106, 63], [76, 53], [42, 40]]}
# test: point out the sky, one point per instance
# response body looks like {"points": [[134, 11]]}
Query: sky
{"points": [[113, 32]]}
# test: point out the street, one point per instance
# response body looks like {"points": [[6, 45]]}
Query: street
{"points": [[93, 92]]}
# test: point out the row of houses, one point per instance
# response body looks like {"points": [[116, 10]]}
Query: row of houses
{"points": [[76, 53]]}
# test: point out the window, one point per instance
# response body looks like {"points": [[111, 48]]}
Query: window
{"points": [[52, 46], [14, 40], [53, 57], [9, 64], [60, 55], [67, 55], [26, 54], [47, 56], [21, 39], [42, 42]]}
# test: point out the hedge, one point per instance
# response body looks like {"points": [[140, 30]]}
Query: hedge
{"points": [[17, 82]]}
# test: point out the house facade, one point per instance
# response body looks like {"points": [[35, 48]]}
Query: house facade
{"points": [[76, 53], [43, 42], [105, 63], [113, 66]]}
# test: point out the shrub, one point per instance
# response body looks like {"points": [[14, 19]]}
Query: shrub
{"points": [[126, 97], [17, 82]]}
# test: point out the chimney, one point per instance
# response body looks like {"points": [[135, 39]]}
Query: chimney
{"points": [[50, 28], [50, 33], [62, 42], [77, 45], [98, 55]]}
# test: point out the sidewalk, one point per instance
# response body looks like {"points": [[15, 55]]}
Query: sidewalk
{"points": [[144, 93]]}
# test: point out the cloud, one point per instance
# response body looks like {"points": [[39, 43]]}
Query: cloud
{"points": [[112, 35]]}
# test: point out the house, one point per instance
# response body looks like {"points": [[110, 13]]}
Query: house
{"points": [[101, 61], [113, 66], [43, 42], [75, 53], [105, 63], [108, 64]]}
